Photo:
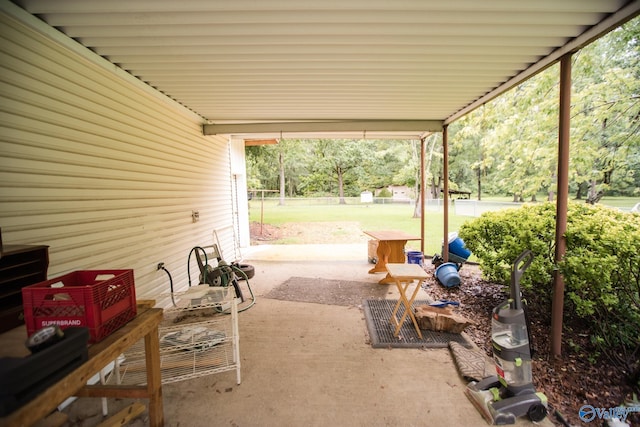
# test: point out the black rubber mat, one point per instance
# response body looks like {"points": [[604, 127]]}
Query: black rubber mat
{"points": [[378, 317]]}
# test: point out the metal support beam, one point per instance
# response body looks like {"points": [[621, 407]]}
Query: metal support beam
{"points": [[445, 173], [422, 193], [557, 303], [418, 127]]}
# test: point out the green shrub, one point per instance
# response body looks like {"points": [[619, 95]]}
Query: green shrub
{"points": [[601, 268], [498, 238], [385, 192]]}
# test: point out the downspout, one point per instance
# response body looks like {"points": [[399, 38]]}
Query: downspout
{"points": [[445, 173], [557, 303]]}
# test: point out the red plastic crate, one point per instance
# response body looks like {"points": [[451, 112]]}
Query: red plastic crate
{"points": [[101, 300]]}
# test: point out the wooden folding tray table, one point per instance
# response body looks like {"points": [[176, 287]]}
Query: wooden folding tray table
{"points": [[404, 275]]}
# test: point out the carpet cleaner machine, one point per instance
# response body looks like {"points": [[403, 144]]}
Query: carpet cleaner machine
{"points": [[510, 394]]}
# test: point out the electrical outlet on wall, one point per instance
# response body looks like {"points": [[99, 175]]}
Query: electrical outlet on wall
{"points": [[195, 216]]}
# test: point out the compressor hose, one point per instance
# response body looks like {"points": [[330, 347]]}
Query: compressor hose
{"points": [[161, 267], [206, 261], [246, 279]]}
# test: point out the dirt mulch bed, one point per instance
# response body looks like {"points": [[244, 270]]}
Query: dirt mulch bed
{"points": [[307, 233], [569, 382]]}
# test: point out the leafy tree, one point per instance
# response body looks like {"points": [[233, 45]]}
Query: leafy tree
{"points": [[388, 162], [513, 139], [261, 168], [276, 166], [606, 113], [339, 160], [290, 169], [523, 140], [469, 158]]}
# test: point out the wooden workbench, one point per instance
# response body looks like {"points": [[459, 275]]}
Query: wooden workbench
{"points": [[144, 325], [390, 250]]}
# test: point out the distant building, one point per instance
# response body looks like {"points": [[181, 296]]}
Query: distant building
{"points": [[366, 197], [399, 193]]}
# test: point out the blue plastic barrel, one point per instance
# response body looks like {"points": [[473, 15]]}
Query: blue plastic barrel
{"points": [[447, 274], [456, 246], [414, 257]]}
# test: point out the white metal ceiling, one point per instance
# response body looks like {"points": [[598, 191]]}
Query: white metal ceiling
{"points": [[371, 61]]}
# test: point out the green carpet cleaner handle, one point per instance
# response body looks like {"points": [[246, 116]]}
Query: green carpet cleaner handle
{"points": [[519, 266]]}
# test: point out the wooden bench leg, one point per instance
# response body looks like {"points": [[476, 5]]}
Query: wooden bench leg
{"points": [[154, 378]]}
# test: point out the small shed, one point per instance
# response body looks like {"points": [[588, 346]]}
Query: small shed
{"points": [[366, 197]]}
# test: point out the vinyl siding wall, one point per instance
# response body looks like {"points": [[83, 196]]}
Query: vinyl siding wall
{"points": [[100, 168]]}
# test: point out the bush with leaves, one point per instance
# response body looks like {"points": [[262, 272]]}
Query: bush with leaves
{"points": [[498, 238], [601, 268]]}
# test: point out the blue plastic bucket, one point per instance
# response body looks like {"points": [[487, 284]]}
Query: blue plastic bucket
{"points": [[447, 274], [456, 246], [414, 257]]}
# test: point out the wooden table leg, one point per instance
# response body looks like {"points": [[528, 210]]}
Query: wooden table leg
{"points": [[154, 378], [396, 254], [410, 308], [383, 251], [394, 313], [389, 251], [407, 307]]}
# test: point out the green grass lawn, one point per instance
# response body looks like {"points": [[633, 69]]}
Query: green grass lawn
{"points": [[377, 216], [370, 217], [612, 201], [625, 203]]}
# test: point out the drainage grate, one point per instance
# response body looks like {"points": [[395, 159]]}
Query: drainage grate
{"points": [[378, 317]]}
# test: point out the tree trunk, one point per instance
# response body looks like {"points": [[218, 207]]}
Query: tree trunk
{"points": [[282, 181], [581, 189], [427, 168], [435, 187], [418, 155], [417, 209], [594, 195], [341, 187], [479, 184], [290, 188]]}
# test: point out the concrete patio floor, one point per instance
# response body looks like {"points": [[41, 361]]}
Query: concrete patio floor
{"points": [[306, 364]]}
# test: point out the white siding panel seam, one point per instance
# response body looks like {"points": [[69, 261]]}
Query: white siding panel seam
{"points": [[30, 26], [102, 171]]}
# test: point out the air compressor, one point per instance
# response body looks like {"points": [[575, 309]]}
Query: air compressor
{"points": [[510, 394], [221, 275]]}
